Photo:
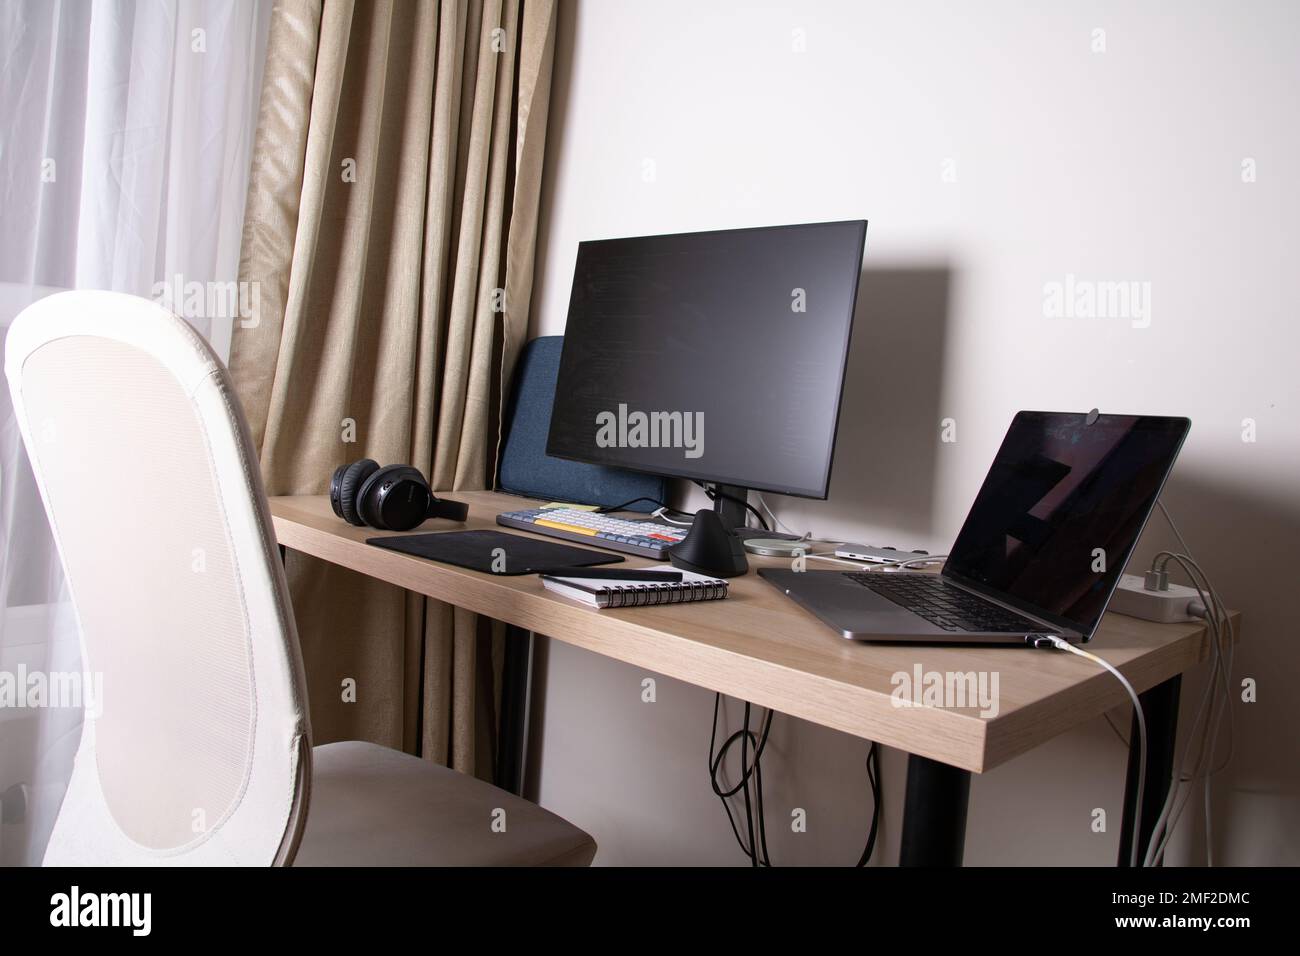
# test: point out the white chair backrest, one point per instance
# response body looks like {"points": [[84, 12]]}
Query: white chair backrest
{"points": [[198, 749]]}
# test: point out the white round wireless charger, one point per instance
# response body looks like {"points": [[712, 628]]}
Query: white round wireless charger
{"points": [[776, 547]]}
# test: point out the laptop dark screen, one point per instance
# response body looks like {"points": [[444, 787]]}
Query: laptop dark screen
{"points": [[1061, 509]]}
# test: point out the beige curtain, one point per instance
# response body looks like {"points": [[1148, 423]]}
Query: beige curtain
{"points": [[390, 226]]}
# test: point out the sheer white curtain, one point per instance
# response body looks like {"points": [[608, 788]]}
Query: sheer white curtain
{"points": [[125, 135]]}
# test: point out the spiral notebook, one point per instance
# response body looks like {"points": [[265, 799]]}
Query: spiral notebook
{"points": [[692, 587]]}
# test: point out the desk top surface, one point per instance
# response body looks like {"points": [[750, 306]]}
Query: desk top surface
{"points": [[760, 646]]}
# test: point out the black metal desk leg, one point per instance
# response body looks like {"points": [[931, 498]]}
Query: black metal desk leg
{"points": [[1160, 705], [516, 679], [934, 818]]}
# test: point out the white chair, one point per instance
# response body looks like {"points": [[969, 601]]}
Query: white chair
{"points": [[199, 750]]}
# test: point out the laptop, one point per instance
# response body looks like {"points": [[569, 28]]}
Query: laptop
{"points": [[1041, 551]]}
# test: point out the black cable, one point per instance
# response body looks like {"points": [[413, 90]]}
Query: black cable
{"points": [[606, 509], [713, 494], [713, 771], [744, 771], [758, 855], [758, 789], [710, 492], [717, 756], [873, 776], [715, 764]]}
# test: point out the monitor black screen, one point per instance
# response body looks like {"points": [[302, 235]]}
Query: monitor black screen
{"points": [[1061, 510], [715, 356]]}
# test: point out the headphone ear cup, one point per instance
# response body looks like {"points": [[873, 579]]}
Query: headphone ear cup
{"points": [[352, 479], [336, 482], [370, 499]]}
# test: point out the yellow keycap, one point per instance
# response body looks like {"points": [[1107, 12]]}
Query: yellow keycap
{"points": [[576, 529]]}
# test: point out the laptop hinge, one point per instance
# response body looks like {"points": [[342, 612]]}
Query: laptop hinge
{"points": [[1067, 633]]}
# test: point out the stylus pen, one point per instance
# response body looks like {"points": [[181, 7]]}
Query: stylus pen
{"points": [[612, 574]]}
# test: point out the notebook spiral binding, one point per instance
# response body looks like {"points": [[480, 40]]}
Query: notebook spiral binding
{"points": [[643, 595]]}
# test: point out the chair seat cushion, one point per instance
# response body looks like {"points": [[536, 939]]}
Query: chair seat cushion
{"points": [[373, 806]]}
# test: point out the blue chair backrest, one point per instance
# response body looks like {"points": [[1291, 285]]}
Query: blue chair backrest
{"points": [[527, 470]]}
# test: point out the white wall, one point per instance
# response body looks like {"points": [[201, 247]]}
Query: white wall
{"points": [[1117, 165]]}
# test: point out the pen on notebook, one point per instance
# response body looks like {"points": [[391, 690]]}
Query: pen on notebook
{"points": [[613, 574]]}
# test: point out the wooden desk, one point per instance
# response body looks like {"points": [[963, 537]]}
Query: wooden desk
{"points": [[759, 646]]}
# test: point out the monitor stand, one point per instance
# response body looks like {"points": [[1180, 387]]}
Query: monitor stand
{"points": [[729, 502], [734, 515]]}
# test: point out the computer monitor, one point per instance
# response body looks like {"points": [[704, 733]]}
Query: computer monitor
{"points": [[712, 356]]}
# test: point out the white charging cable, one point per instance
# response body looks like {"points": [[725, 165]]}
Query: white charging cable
{"points": [[777, 523], [1209, 717], [660, 514], [1064, 645], [1212, 709]]}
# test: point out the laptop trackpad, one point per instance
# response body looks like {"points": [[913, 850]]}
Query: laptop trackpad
{"points": [[845, 605]]}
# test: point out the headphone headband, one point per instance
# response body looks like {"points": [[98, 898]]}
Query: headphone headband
{"points": [[446, 508]]}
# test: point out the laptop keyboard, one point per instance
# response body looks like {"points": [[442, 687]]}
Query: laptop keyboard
{"points": [[943, 605]]}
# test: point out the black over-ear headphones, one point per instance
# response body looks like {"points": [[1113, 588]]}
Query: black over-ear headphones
{"points": [[392, 498]]}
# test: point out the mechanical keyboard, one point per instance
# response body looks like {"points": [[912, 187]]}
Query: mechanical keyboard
{"points": [[645, 538], [942, 604]]}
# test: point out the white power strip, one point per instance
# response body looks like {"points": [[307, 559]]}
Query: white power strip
{"points": [[1133, 599]]}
